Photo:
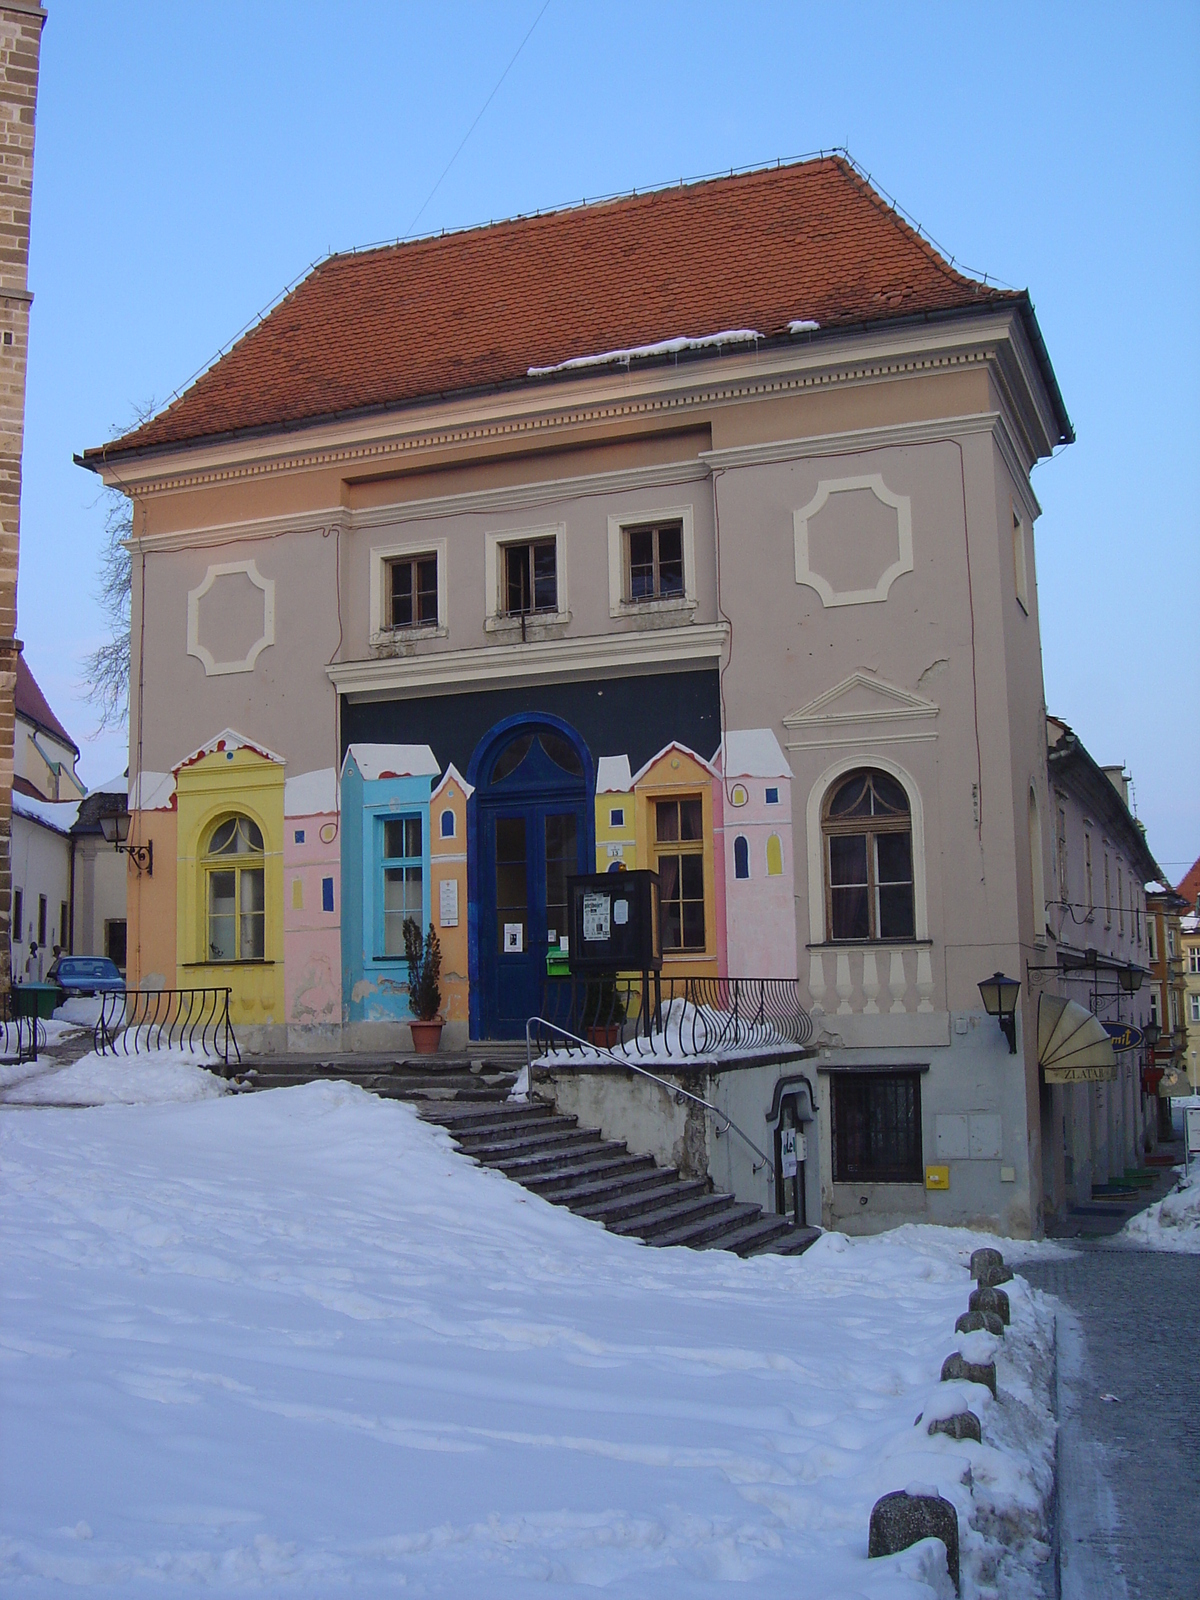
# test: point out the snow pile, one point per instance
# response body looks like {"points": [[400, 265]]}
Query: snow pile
{"points": [[292, 1343], [1172, 1223], [642, 352], [152, 1077]]}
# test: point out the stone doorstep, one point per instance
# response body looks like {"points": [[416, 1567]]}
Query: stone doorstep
{"points": [[676, 1212]]}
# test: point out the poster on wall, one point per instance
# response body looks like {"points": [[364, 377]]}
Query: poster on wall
{"points": [[448, 906], [514, 938]]}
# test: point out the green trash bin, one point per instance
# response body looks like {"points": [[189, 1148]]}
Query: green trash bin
{"points": [[36, 1000]]}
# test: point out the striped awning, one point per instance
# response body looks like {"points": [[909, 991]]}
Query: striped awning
{"points": [[1072, 1044]]}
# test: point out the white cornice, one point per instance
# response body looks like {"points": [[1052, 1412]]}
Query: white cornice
{"points": [[541, 410], [541, 661]]}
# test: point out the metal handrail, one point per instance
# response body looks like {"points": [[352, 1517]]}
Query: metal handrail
{"points": [[635, 1066], [154, 1019]]}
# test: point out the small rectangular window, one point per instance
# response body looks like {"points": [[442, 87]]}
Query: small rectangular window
{"points": [[1170, 943], [1087, 872], [772, 797], [413, 592], [326, 894], [1108, 910], [1194, 1007], [403, 880], [530, 577], [1194, 958], [1020, 568], [1120, 900], [41, 923], [63, 917], [1152, 937], [616, 817], [1155, 1006], [17, 930], [115, 941], [877, 1127], [299, 835], [654, 562]]}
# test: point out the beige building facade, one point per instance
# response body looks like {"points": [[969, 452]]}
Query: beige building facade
{"points": [[733, 582]]}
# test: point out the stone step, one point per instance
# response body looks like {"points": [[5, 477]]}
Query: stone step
{"points": [[614, 1162], [492, 1150], [765, 1234], [453, 1115], [793, 1242], [558, 1159], [663, 1219], [711, 1229], [510, 1127], [578, 1194], [616, 1208]]}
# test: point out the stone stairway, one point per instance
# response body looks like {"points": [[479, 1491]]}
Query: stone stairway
{"points": [[549, 1153]]}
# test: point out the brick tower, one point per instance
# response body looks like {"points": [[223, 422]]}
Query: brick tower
{"points": [[20, 44]]}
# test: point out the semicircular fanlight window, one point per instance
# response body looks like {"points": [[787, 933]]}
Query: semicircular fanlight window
{"points": [[562, 752], [511, 757], [236, 836]]}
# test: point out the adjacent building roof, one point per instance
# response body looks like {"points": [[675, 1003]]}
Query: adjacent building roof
{"points": [[1072, 767], [776, 253], [1189, 885], [31, 704]]}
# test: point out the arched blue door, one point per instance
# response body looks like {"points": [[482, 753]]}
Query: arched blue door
{"points": [[532, 826]]}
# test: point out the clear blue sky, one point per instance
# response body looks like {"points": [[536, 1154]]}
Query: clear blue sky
{"points": [[192, 160]]}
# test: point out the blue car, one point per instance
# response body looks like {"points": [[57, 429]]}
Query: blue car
{"points": [[85, 975]]}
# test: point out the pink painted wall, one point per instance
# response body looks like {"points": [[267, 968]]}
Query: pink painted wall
{"points": [[311, 935], [760, 914]]}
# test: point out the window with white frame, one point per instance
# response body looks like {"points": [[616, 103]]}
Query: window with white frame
{"points": [[1170, 943], [1155, 1006], [651, 561], [1194, 1008], [412, 591], [1107, 893], [867, 828], [403, 880], [526, 577], [1152, 936], [1194, 958]]}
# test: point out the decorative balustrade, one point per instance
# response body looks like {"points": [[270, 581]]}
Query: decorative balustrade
{"points": [[676, 1018], [870, 980], [137, 1021]]}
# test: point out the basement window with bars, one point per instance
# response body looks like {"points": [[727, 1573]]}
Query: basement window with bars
{"points": [[876, 1127], [412, 588]]}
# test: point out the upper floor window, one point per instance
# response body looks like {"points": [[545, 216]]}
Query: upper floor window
{"points": [[1087, 873], [403, 880], [654, 562], [1108, 910], [412, 588], [235, 891], [1151, 937], [867, 830], [1020, 568], [1120, 900], [741, 856], [1170, 943], [1062, 854], [1194, 958], [679, 842], [530, 581]]}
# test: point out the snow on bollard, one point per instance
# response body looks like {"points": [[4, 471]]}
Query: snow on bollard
{"points": [[905, 1517], [976, 1321], [988, 1269], [989, 1299], [958, 1368]]}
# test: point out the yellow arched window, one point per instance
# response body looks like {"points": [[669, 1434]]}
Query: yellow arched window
{"points": [[774, 856], [867, 829], [235, 891]]}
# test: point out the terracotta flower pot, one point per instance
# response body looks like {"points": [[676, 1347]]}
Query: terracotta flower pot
{"points": [[605, 1035], [427, 1036]]}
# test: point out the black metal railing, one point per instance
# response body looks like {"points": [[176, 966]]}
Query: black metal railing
{"points": [[20, 1036], [135, 1021], [672, 1017]]}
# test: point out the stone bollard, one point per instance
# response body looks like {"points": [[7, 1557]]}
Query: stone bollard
{"points": [[969, 1371], [962, 1425], [984, 1258], [975, 1321], [989, 1299], [899, 1520], [989, 1277]]}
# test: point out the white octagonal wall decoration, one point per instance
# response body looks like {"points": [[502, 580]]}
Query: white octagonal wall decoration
{"points": [[873, 584], [245, 624]]}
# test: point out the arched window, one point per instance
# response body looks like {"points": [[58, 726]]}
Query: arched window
{"points": [[867, 835], [774, 856], [741, 857], [235, 892], [447, 823]]}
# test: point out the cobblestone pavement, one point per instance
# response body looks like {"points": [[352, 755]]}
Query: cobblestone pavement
{"points": [[1138, 1313]]}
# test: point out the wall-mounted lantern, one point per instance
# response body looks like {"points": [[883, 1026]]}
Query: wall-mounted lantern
{"points": [[1000, 1001], [1130, 978], [1153, 1034], [115, 828]]}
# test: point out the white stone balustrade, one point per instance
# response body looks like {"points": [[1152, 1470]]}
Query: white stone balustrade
{"points": [[870, 981]]}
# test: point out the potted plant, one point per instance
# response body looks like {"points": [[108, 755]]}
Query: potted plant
{"points": [[603, 1013], [424, 956]]}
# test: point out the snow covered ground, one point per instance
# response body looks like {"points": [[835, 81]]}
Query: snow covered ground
{"points": [[151, 1077], [1172, 1223], [292, 1343]]}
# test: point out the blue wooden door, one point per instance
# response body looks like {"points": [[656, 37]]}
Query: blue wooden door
{"points": [[532, 817]]}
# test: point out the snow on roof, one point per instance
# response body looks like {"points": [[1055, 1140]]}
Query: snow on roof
{"points": [[802, 325], [642, 352], [453, 775], [1190, 923], [229, 740], [683, 750], [29, 702], [752, 753], [61, 815], [311, 794], [152, 791], [613, 775], [117, 785], [393, 761]]}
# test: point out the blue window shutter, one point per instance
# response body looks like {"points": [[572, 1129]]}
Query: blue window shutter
{"points": [[326, 894]]}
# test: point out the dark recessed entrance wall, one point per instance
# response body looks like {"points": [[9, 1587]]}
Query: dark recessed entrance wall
{"points": [[634, 716]]}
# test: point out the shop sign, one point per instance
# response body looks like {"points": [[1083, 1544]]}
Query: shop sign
{"points": [[1124, 1035]]}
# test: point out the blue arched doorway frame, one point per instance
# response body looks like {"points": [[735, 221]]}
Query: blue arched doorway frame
{"points": [[534, 791]]}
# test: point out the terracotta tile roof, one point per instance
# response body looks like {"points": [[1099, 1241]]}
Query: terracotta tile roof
{"points": [[1189, 885], [30, 703], [473, 310]]}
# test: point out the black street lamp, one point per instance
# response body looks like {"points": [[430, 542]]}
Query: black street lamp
{"points": [[1130, 978], [1000, 1001], [115, 828]]}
